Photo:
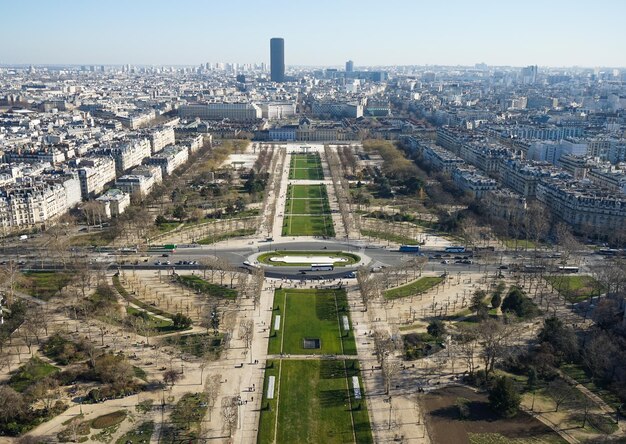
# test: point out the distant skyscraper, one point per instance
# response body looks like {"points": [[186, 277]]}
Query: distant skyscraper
{"points": [[529, 75], [277, 59], [349, 66]]}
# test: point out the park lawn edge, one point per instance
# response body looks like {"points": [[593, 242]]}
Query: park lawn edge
{"points": [[418, 286]]}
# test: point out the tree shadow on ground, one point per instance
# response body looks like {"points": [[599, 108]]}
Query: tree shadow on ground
{"points": [[477, 411], [325, 308], [331, 370], [333, 398]]}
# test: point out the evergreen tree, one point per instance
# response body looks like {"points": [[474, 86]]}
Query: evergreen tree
{"points": [[504, 398]]}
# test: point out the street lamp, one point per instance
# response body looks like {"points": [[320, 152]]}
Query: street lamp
{"points": [[1, 311]]}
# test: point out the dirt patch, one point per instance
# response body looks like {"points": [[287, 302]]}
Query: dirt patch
{"points": [[446, 426]]}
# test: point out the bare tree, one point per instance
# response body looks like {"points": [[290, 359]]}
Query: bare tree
{"points": [[494, 336], [258, 280], [537, 222], [212, 390], [74, 426], [390, 370], [144, 328], [11, 404], [383, 345], [561, 393], [246, 333], [5, 361], [230, 413], [34, 324], [57, 238], [171, 377], [46, 391], [366, 286], [11, 276], [82, 275], [467, 343]]}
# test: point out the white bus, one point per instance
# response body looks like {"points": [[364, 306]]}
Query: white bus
{"points": [[322, 267]]}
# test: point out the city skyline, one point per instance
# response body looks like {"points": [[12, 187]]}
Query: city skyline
{"points": [[159, 33]]}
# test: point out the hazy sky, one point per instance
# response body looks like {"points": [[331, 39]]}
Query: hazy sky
{"points": [[316, 32]]}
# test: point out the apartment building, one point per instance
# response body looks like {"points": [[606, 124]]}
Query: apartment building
{"points": [[193, 143], [470, 180], [30, 203], [114, 202], [51, 155], [127, 153], [575, 165], [137, 120], [608, 179], [486, 157], [240, 112], [169, 159], [153, 171], [162, 137], [441, 159], [337, 109], [135, 184], [583, 206], [523, 177], [94, 173]]}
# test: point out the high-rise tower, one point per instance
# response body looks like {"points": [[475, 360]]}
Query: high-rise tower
{"points": [[349, 66], [277, 59]]}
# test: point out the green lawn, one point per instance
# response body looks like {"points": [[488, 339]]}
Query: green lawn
{"points": [[307, 191], [312, 200], [44, 284], [316, 314], [307, 206], [33, 371], [416, 287], [306, 174], [497, 438], [265, 257], [305, 161], [314, 402], [129, 297], [157, 325], [98, 238], [108, 420], [167, 226], [577, 373], [220, 237], [199, 284], [306, 167], [575, 288], [308, 226], [139, 435]]}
